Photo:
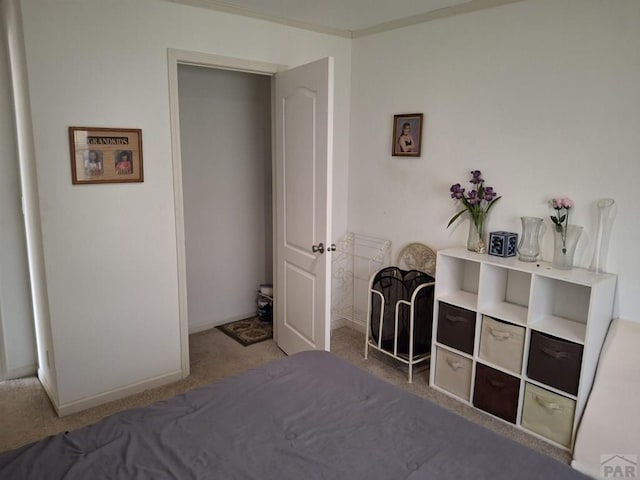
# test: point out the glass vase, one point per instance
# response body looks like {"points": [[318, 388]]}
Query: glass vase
{"points": [[529, 245], [564, 246], [476, 242], [606, 215]]}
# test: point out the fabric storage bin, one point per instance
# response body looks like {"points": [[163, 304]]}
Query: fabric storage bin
{"points": [[555, 362], [548, 414], [496, 392], [456, 327], [502, 344], [453, 373]]}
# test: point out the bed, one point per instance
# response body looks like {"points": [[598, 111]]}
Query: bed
{"points": [[609, 432], [307, 416]]}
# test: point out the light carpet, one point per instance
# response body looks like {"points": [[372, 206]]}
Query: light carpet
{"points": [[27, 414]]}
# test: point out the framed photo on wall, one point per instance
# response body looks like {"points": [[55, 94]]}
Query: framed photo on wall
{"points": [[105, 155], [407, 135]]}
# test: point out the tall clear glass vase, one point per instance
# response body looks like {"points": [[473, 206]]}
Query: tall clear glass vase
{"points": [[564, 246], [606, 215], [529, 245]]}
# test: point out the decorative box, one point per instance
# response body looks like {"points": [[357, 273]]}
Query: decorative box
{"points": [[503, 244]]}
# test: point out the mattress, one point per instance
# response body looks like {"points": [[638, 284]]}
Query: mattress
{"points": [[609, 432], [307, 416]]}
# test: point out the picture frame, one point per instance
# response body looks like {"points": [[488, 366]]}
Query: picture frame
{"points": [[407, 143], [105, 155]]}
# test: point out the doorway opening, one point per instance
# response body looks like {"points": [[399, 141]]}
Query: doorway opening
{"points": [[221, 142], [225, 134]]}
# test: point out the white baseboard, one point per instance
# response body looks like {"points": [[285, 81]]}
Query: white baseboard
{"points": [[350, 323], [116, 394], [24, 371], [53, 396], [209, 325]]}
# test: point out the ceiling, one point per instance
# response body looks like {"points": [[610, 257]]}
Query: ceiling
{"points": [[348, 18]]}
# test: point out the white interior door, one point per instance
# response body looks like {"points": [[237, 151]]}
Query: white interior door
{"points": [[303, 139]]}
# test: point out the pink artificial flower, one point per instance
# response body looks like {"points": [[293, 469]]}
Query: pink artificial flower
{"points": [[561, 202], [561, 221], [566, 202]]}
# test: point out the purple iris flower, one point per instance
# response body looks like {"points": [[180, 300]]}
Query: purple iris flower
{"points": [[476, 177], [473, 198], [489, 194], [456, 191]]}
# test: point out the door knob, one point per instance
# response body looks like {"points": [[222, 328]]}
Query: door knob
{"points": [[318, 248], [332, 248]]}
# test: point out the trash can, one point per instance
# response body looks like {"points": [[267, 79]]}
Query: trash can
{"points": [[265, 303]]}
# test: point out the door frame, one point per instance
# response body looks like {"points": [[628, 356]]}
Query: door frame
{"points": [[177, 57]]}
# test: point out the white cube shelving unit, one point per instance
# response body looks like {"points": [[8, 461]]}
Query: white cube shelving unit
{"points": [[564, 316]]}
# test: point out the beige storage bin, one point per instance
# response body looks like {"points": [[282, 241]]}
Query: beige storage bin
{"points": [[548, 414], [453, 373], [502, 344]]}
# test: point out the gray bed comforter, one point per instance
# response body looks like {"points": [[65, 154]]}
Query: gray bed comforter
{"points": [[308, 416]]}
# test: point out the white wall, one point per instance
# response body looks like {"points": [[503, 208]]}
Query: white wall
{"points": [[225, 127], [17, 344], [110, 250], [542, 96]]}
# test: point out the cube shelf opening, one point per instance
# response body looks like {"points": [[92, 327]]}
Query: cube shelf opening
{"points": [[560, 308], [505, 293], [461, 287]]}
